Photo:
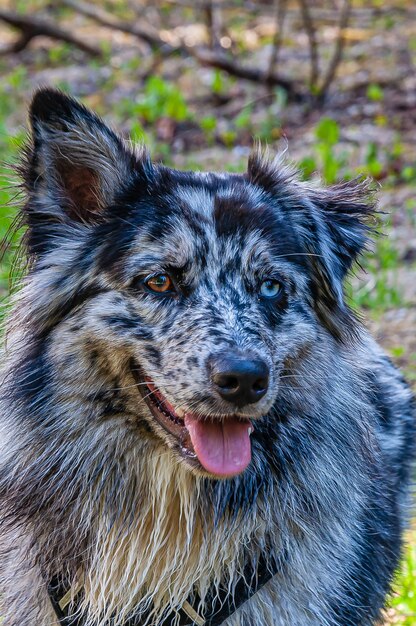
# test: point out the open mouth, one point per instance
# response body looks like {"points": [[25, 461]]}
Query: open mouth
{"points": [[220, 445]]}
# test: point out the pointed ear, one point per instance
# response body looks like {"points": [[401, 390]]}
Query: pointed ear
{"points": [[339, 230], [76, 165], [332, 227], [346, 210]]}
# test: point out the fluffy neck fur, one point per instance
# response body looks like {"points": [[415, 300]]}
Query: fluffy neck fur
{"points": [[168, 545], [134, 525]]}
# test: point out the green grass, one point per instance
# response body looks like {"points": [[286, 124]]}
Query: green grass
{"points": [[376, 292], [8, 193], [376, 287], [403, 601]]}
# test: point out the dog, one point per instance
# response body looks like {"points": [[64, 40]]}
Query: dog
{"points": [[195, 427]]}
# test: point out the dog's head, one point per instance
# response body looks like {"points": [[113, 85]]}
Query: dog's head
{"points": [[203, 286]]}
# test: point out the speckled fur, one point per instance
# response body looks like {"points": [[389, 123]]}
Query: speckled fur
{"points": [[92, 487]]}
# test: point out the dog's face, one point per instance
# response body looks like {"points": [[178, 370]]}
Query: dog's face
{"points": [[208, 287]]}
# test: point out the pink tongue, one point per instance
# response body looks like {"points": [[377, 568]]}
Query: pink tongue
{"points": [[223, 448]]}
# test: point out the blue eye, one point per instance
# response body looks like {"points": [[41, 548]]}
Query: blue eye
{"points": [[270, 288]]}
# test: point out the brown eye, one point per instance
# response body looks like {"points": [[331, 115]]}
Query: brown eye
{"points": [[161, 283]]}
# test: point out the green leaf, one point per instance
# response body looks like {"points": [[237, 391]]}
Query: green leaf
{"points": [[327, 131], [375, 92]]}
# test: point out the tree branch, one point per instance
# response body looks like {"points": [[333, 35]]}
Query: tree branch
{"points": [[213, 21], [280, 7], [31, 27], [339, 48], [313, 44]]}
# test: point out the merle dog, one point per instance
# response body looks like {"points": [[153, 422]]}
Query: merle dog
{"points": [[195, 428]]}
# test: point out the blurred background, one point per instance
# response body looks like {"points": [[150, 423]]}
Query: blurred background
{"points": [[333, 82]]}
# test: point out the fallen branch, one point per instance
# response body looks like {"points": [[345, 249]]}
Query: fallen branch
{"points": [[148, 35], [222, 62], [221, 4], [31, 27], [203, 55]]}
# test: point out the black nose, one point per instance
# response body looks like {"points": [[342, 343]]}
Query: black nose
{"points": [[239, 379]]}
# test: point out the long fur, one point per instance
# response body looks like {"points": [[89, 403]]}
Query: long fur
{"points": [[93, 489]]}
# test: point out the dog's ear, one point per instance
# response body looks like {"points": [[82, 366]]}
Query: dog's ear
{"points": [[332, 227], [335, 231], [75, 164]]}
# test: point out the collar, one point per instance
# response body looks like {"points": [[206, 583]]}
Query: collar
{"points": [[218, 607]]}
